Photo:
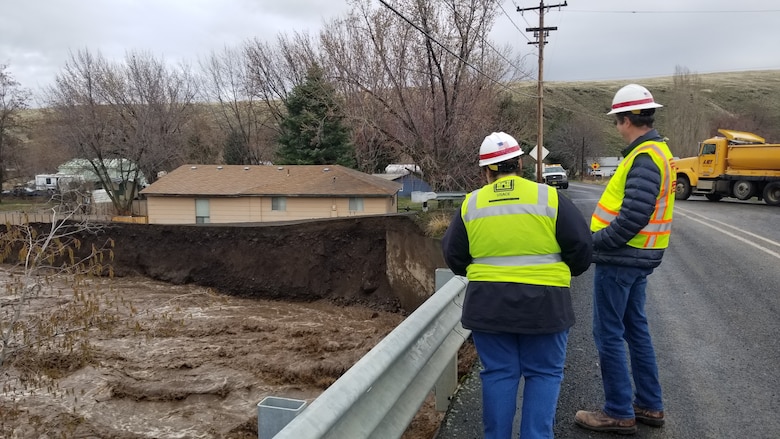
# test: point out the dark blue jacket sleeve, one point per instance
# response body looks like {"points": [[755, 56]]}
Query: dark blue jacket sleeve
{"points": [[573, 235], [643, 184], [455, 246]]}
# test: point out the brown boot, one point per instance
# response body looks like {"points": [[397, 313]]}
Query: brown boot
{"points": [[600, 421], [649, 417]]}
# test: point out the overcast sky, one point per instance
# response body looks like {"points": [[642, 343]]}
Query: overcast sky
{"points": [[595, 40]]}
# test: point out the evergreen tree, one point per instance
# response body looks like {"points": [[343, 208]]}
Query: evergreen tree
{"points": [[313, 130]]}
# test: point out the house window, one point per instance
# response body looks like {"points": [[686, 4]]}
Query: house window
{"points": [[278, 203], [356, 204], [202, 212]]}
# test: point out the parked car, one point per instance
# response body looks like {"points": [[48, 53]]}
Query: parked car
{"points": [[555, 175], [24, 192]]}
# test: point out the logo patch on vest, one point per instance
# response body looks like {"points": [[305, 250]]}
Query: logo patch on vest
{"points": [[504, 186]]}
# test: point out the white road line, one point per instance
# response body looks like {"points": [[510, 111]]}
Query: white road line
{"points": [[688, 214], [677, 209]]}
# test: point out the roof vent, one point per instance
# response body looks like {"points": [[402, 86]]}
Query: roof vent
{"points": [[194, 167], [279, 168], [246, 168], [325, 169], [219, 167]]}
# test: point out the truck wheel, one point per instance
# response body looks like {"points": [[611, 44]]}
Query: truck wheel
{"points": [[714, 197], [683, 189], [772, 194], [744, 189]]}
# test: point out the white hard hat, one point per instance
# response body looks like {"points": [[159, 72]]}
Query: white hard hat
{"points": [[632, 97], [498, 147]]}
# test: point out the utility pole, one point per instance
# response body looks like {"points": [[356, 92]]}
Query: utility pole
{"points": [[541, 33], [582, 161]]}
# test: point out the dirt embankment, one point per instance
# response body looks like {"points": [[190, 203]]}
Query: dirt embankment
{"points": [[383, 262], [191, 353]]}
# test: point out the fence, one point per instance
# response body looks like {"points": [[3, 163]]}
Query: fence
{"points": [[20, 218], [97, 212], [381, 393]]}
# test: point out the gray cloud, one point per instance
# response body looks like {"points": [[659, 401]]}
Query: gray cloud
{"points": [[593, 40]]}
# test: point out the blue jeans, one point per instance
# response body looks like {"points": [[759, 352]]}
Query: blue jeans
{"points": [[618, 315], [539, 359]]}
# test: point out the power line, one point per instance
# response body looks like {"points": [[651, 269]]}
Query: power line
{"points": [[512, 21], [516, 27], [505, 87], [759, 11], [487, 43], [446, 49]]}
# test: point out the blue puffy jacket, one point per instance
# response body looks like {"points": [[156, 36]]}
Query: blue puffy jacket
{"points": [[643, 184]]}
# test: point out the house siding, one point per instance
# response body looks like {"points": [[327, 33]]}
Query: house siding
{"points": [[412, 183], [235, 210], [181, 210], [171, 210]]}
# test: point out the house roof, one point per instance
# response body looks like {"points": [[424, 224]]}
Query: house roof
{"points": [[264, 180]]}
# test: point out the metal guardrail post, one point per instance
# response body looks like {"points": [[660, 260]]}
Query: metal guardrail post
{"points": [[448, 381]]}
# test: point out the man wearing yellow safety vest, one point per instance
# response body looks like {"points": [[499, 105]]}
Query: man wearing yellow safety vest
{"points": [[519, 244], [631, 227]]}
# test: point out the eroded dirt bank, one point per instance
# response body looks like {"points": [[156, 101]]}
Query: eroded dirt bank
{"points": [[184, 357], [343, 260]]}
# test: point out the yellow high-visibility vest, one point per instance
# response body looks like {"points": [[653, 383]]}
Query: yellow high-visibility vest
{"points": [[655, 235], [511, 230]]}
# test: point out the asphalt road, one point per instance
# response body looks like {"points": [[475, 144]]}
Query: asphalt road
{"points": [[713, 309]]}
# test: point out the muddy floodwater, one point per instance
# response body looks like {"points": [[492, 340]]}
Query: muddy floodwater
{"points": [[158, 360]]}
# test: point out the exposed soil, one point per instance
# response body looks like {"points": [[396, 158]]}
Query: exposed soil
{"points": [[190, 360]]}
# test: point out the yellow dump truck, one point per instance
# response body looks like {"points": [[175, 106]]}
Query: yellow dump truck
{"points": [[739, 165]]}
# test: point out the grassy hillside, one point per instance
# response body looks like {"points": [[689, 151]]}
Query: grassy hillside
{"points": [[736, 90], [753, 97]]}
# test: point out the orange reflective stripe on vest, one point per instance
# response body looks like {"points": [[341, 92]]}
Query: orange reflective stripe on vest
{"points": [[656, 233]]}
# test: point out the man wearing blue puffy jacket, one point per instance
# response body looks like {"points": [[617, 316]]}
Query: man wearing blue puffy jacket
{"points": [[631, 227]]}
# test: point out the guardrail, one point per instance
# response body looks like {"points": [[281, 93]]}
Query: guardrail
{"points": [[423, 197], [381, 393]]}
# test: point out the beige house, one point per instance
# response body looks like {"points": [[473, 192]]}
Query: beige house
{"points": [[196, 194]]}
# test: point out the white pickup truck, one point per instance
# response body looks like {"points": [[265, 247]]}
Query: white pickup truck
{"points": [[555, 175]]}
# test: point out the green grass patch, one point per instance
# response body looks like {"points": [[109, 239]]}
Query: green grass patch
{"points": [[22, 205], [436, 219]]}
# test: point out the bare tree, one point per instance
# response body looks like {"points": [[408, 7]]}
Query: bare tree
{"points": [[686, 119], [234, 104], [13, 100], [424, 77], [127, 120], [203, 139], [273, 70], [573, 139], [36, 251]]}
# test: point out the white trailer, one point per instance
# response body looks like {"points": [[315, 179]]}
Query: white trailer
{"points": [[54, 182]]}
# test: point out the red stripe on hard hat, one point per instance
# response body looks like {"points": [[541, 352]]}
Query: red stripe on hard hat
{"points": [[499, 153], [630, 103]]}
